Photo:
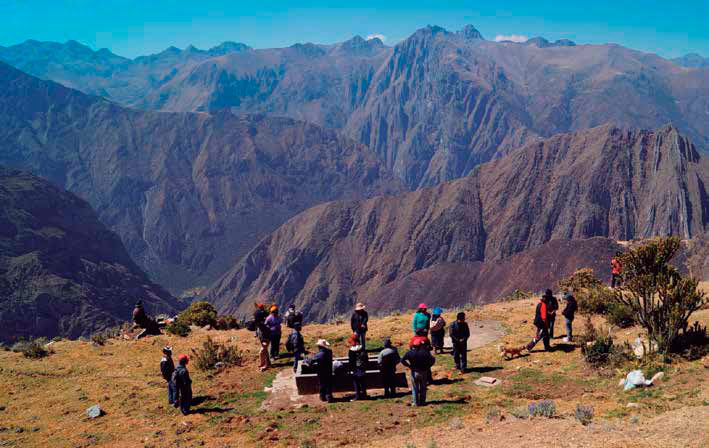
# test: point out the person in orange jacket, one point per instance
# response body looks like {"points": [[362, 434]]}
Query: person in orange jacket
{"points": [[616, 270], [541, 321]]}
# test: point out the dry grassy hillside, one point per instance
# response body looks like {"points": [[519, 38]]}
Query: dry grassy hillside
{"points": [[43, 402]]}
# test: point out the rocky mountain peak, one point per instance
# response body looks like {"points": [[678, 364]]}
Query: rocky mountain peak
{"points": [[228, 47], [470, 32]]}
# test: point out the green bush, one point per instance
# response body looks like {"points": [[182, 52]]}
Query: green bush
{"points": [[584, 414], [211, 353], [200, 314], [545, 408], [579, 280], [178, 328], [35, 349], [620, 315], [595, 300], [227, 322], [598, 353], [99, 338]]}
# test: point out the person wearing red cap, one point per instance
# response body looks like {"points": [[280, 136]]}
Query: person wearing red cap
{"points": [[422, 320], [420, 361], [183, 384]]}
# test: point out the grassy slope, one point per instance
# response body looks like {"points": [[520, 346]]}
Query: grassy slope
{"points": [[47, 398]]}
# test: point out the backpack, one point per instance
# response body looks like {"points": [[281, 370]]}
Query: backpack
{"points": [[291, 342]]}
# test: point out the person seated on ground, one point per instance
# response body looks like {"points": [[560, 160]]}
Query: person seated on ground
{"points": [[420, 361], [388, 360], [167, 366], [568, 313], [421, 320], [359, 322], [296, 345], [541, 323], [322, 362], [273, 322], [459, 333], [141, 320], [438, 330], [293, 317], [358, 360], [183, 384]]}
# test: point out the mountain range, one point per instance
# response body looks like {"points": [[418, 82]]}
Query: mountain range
{"points": [[62, 273]]}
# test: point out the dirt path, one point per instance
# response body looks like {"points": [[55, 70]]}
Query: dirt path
{"points": [[482, 332]]}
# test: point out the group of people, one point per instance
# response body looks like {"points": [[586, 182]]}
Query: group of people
{"points": [[545, 317], [179, 384], [268, 330]]}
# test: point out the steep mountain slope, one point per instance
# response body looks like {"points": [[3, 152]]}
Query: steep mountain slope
{"points": [[188, 193], [692, 60], [61, 271], [615, 183]]}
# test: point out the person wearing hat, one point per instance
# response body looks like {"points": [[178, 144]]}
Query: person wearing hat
{"points": [[388, 359], [552, 307], [438, 330], [293, 317], [541, 321], [273, 322], [568, 313], [420, 361], [358, 361], [459, 333], [183, 384], [358, 322], [322, 361], [263, 334], [167, 366], [422, 320], [260, 313]]}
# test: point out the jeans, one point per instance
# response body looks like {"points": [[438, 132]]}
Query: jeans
{"points": [[552, 319], [419, 384], [325, 388], [184, 397], [297, 356], [569, 330], [389, 380], [362, 337], [275, 345], [542, 335], [171, 392], [360, 385], [460, 354], [615, 280]]}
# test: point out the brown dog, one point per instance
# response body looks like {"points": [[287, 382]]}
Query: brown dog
{"points": [[510, 352]]}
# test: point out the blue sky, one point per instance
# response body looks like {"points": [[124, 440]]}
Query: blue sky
{"points": [[132, 28]]}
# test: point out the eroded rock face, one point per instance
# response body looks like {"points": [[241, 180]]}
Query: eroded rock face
{"points": [[188, 193], [451, 240], [62, 273]]}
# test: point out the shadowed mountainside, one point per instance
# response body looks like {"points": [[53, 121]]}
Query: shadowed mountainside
{"points": [[62, 273], [610, 182], [188, 193]]}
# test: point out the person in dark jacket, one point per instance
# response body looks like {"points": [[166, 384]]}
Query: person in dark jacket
{"points": [[438, 330], [322, 361], [358, 368], [541, 322], [183, 384], [293, 317], [140, 319], [420, 361], [167, 366], [552, 307], [260, 313], [297, 345], [388, 360], [459, 333], [358, 322], [568, 313], [263, 333]]}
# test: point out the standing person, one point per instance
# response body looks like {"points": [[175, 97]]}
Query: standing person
{"points": [[420, 361], [167, 366], [263, 333], [183, 384], [459, 333], [541, 322], [388, 360], [358, 367], [438, 330], [273, 322], [358, 322], [297, 345], [616, 270], [293, 317], [568, 313], [322, 361], [422, 320], [552, 307]]}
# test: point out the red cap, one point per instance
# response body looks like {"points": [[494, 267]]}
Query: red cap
{"points": [[417, 341], [422, 306], [182, 358], [260, 305]]}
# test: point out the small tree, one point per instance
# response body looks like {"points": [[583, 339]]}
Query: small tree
{"points": [[660, 298]]}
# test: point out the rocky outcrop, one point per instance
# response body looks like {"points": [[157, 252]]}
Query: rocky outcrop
{"points": [[188, 193], [62, 273], [606, 182]]}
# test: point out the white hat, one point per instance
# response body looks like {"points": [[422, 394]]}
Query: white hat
{"points": [[359, 306], [323, 343]]}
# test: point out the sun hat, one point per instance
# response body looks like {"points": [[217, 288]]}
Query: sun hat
{"points": [[437, 311], [422, 306], [322, 343], [273, 308], [359, 306]]}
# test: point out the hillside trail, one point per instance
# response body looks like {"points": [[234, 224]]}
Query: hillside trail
{"points": [[283, 393]]}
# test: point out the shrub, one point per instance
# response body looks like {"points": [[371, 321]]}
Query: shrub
{"points": [[595, 300], [99, 338], [620, 315], [517, 294], [579, 280], [178, 328], [211, 353], [227, 322], [200, 314], [520, 412], [20, 345], [545, 408], [661, 299], [35, 349], [584, 414], [692, 343], [598, 353]]}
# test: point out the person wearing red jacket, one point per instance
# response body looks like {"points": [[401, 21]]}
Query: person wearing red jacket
{"points": [[616, 270], [541, 321]]}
